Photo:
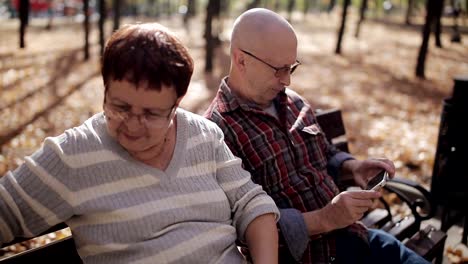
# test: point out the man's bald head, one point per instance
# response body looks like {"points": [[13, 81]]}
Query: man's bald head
{"points": [[262, 31]]}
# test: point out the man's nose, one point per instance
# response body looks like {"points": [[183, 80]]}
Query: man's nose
{"points": [[285, 79]]}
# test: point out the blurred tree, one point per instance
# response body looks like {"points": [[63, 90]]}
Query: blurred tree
{"points": [[102, 19], [213, 9], [342, 26], [306, 7], [253, 4], [154, 8], [409, 12], [86, 28], [437, 22], [168, 7], [456, 9], [50, 14], [331, 5], [277, 5], [117, 7], [24, 19], [291, 5], [362, 14], [431, 15], [190, 12]]}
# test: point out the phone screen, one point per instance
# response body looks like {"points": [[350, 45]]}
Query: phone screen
{"points": [[376, 180]]}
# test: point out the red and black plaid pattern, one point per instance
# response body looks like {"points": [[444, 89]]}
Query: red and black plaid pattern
{"points": [[288, 157]]}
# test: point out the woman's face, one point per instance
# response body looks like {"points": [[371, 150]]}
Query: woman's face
{"points": [[139, 119]]}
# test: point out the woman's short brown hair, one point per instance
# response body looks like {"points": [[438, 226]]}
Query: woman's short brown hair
{"points": [[150, 53]]}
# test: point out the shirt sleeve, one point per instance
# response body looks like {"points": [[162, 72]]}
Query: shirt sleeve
{"points": [[28, 204], [294, 232], [335, 162], [247, 199]]}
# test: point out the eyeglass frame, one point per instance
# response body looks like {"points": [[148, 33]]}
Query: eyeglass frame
{"points": [[291, 68], [124, 116]]}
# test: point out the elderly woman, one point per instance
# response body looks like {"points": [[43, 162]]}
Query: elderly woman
{"points": [[144, 181]]}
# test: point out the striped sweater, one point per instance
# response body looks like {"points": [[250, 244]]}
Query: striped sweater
{"points": [[123, 211]]}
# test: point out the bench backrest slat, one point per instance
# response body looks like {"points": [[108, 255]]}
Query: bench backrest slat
{"points": [[331, 122]]}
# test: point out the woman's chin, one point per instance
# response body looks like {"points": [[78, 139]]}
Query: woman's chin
{"points": [[132, 144]]}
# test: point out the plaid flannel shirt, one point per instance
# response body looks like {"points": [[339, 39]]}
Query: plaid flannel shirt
{"points": [[289, 157]]}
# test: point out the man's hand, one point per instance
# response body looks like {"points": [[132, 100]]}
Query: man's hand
{"points": [[363, 171], [348, 207], [345, 209]]}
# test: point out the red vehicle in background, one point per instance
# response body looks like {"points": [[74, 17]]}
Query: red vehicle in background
{"points": [[35, 5], [58, 7]]}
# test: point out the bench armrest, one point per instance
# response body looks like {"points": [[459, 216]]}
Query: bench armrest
{"points": [[22, 239], [418, 199]]}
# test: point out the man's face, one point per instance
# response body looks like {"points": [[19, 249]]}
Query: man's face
{"points": [[267, 73]]}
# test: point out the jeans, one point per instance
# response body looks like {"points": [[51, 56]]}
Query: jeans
{"points": [[384, 249]]}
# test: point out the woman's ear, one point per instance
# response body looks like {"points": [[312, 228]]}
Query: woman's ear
{"points": [[177, 103]]}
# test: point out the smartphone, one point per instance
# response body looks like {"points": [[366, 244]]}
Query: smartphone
{"points": [[378, 181]]}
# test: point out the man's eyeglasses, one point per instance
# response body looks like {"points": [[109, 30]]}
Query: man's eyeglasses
{"points": [[279, 71], [149, 119]]}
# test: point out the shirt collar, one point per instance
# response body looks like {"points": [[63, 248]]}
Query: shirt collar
{"points": [[230, 101]]}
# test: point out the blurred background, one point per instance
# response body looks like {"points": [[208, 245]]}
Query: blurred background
{"points": [[388, 64]]}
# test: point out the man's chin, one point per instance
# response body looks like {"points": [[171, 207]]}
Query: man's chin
{"points": [[278, 90]]}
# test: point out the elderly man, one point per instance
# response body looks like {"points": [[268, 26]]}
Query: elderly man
{"points": [[276, 134]]}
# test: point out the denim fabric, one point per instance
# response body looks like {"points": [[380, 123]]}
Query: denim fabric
{"points": [[384, 249]]}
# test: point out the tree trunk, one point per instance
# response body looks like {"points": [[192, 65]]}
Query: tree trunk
{"points": [[342, 26], [86, 29], [291, 4], [50, 15], [209, 42], [117, 5], [437, 21], [24, 19], [409, 12], [456, 36], [306, 7], [331, 5], [253, 4], [430, 16], [277, 5], [167, 7], [102, 19], [191, 12], [362, 16]]}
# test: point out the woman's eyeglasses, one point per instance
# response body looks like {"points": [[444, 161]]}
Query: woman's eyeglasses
{"points": [[279, 71], [148, 119]]}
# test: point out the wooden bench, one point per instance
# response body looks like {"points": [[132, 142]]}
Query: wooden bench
{"points": [[428, 242]]}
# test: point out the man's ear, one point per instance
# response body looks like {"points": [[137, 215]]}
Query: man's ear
{"points": [[239, 59]]}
